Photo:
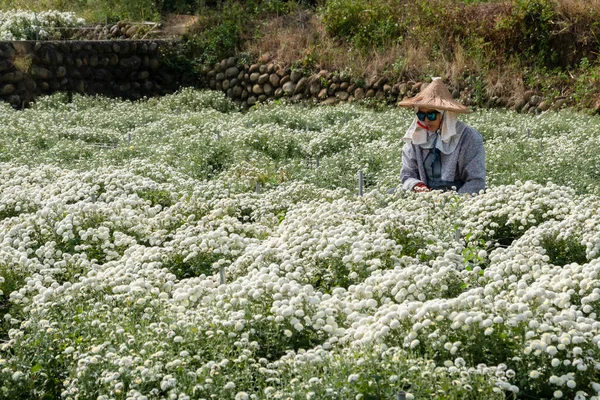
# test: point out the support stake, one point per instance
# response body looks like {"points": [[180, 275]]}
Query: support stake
{"points": [[37, 27], [361, 183]]}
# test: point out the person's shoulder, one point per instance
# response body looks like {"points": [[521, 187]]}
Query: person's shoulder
{"points": [[469, 133], [409, 148]]}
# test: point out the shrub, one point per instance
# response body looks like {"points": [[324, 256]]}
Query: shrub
{"points": [[564, 251], [364, 24], [207, 47], [526, 31]]}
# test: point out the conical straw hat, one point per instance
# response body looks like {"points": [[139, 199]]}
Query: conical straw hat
{"points": [[435, 96]]}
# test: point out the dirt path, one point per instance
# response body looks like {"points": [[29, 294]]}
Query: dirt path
{"points": [[175, 25]]}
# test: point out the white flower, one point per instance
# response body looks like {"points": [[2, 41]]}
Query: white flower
{"points": [[534, 374], [380, 272], [555, 362]]}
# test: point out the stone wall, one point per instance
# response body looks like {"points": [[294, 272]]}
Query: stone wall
{"points": [[126, 69], [132, 69], [248, 84]]}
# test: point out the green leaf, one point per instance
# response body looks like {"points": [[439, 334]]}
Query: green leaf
{"points": [[36, 368]]}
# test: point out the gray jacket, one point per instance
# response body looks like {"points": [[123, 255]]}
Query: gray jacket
{"points": [[466, 163]]}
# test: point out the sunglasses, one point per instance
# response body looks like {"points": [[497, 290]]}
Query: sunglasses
{"points": [[431, 115]]}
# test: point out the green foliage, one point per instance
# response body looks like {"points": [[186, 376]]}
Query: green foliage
{"points": [[15, 210], [219, 42], [343, 17], [527, 31], [178, 6], [133, 9], [477, 86], [586, 83], [365, 24], [306, 64], [156, 196], [524, 27], [113, 10], [11, 279], [202, 264], [270, 6], [412, 244], [207, 47], [219, 31], [245, 58], [563, 251], [272, 345], [399, 67]]}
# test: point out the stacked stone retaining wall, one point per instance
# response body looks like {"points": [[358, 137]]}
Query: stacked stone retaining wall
{"points": [[132, 69], [126, 69], [249, 84]]}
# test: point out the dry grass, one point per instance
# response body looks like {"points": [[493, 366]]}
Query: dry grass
{"points": [[461, 62], [22, 62], [368, 65], [176, 24], [577, 7], [505, 81], [302, 37], [286, 38]]}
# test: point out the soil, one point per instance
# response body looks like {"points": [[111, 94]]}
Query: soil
{"points": [[173, 26]]}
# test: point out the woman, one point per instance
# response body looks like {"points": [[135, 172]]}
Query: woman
{"points": [[441, 152]]}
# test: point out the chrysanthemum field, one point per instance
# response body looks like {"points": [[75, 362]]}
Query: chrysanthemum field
{"points": [[120, 220]]}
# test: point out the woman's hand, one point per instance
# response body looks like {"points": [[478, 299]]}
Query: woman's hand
{"points": [[420, 187]]}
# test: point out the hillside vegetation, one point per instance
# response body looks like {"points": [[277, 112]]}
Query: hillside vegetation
{"points": [[497, 49]]}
